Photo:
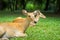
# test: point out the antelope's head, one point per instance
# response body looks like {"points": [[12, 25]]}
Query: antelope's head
{"points": [[37, 14], [34, 16]]}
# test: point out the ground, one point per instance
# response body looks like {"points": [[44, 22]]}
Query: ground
{"points": [[45, 29]]}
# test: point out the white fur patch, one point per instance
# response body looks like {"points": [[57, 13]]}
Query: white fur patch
{"points": [[19, 34]]}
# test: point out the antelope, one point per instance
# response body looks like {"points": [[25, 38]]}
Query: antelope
{"points": [[37, 14], [17, 29]]}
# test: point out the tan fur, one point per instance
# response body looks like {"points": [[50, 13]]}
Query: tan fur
{"points": [[18, 19]]}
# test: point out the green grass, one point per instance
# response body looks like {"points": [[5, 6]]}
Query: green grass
{"points": [[45, 29]]}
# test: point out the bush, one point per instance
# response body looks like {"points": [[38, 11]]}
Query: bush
{"points": [[30, 6]]}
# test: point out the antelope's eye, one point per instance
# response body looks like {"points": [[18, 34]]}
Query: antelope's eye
{"points": [[29, 16], [35, 15]]}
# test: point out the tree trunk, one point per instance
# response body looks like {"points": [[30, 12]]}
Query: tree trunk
{"points": [[16, 4], [23, 3], [2, 5], [47, 4], [58, 5]]}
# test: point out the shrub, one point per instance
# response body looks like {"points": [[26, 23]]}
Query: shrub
{"points": [[30, 6]]}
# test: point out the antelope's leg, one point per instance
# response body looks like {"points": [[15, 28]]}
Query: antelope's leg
{"points": [[4, 39], [20, 35], [23, 35]]}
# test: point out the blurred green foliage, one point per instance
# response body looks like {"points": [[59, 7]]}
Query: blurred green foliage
{"points": [[31, 4]]}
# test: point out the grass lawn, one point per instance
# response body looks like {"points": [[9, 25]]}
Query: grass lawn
{"points": [[45, 29]]}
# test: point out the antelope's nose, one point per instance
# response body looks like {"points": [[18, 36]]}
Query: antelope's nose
{"points": [[35, 22]]}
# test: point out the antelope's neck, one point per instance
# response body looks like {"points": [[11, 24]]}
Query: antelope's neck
{"points": [[27, 23]]}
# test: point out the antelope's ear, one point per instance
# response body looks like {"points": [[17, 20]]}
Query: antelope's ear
{"points": [[24, 12], [37, 12]]}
